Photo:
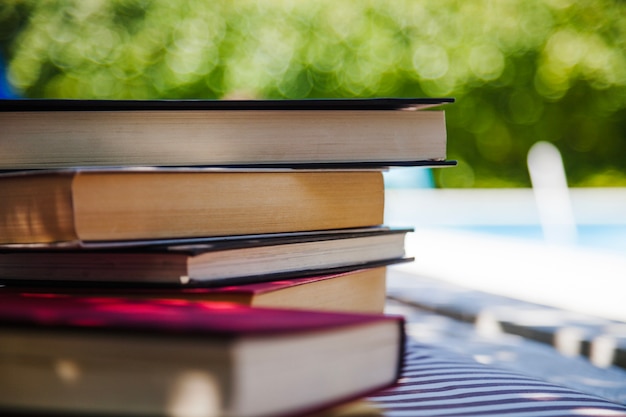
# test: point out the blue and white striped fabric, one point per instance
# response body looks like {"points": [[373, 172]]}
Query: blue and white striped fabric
{"points": [[442, 383]]}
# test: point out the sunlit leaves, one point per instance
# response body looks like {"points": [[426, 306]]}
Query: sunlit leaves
{"points": [[521, 70]]}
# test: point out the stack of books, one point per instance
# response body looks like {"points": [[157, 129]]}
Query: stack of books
{"points": [[126, 225]]}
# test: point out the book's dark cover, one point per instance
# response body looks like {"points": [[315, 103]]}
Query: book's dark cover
{"points": [[198, 245], [238, 280], [172, 105], [202, 245], [250, 289]]}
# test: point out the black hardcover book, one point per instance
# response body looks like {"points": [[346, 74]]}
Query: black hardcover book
{"points": [[313, 133], [205, 261]]}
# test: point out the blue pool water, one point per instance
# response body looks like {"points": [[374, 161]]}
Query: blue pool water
{"points": [[604, 237]]}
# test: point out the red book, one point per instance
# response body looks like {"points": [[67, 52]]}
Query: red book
{"points": [[108, 355]]}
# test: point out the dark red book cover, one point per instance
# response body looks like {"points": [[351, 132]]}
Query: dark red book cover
{"points": [[168, 317]]}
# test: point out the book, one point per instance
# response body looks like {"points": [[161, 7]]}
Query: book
{"points": [[115, 356], [57, 133], [359, 290], [70, 205], [218, 261]]}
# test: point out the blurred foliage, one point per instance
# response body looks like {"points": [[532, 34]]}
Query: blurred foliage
{"points": [[521, 70]]}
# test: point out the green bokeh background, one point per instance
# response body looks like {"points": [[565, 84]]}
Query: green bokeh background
{"points": [[521, 70]]}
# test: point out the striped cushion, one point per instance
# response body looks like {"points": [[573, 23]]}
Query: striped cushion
{"points": [[437, 382]]}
